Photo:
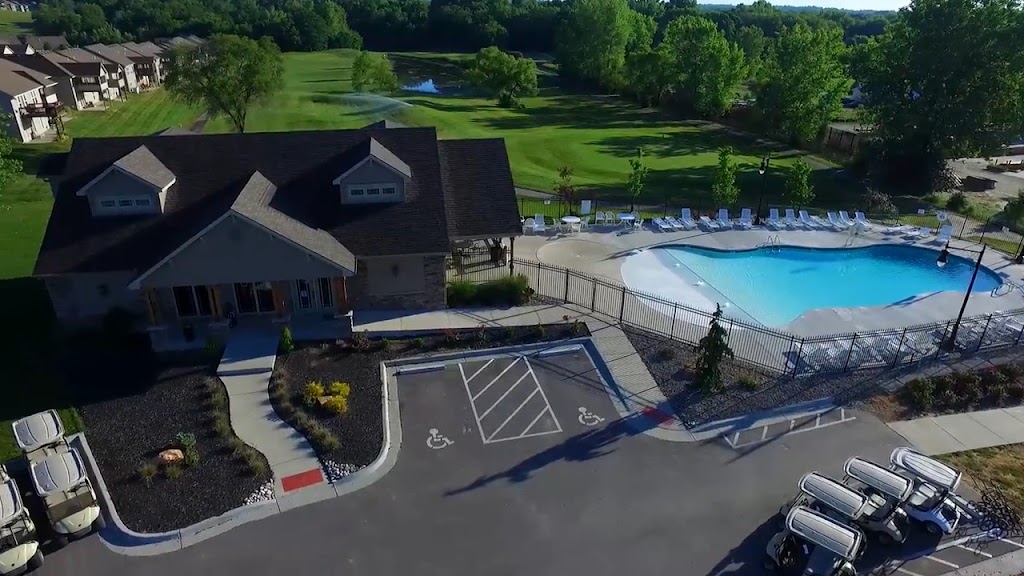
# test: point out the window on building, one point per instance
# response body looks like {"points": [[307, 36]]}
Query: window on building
{"points": [[373, 191], [125, 203], [142, 202], [193, 301], [107, 203], [388, 190], [356, 191]]}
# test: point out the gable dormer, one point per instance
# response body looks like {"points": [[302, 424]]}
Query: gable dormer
{"points": [[375, 174], [136, 184]]}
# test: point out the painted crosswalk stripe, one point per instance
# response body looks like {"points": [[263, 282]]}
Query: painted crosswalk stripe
{"points": [[496, 378]]}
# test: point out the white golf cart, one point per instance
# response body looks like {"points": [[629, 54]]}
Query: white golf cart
{"points": [[19, 551], [58, 476], [847, 505], [813, 544], [933, 501], [886, 491]]}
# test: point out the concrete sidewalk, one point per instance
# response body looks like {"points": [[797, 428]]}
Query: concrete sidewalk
{"points": [[968, 431], [245, 369], [637, 390]]}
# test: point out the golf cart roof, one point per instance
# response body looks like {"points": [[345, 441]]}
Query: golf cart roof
{"points": [[10, 502], [882, 479], [59, 472], [926, 469], [38, 430], [833, 494], [820, 530]]}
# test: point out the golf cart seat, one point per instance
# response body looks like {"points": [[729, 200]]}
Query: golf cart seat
{"points": [[884, 488], [38, 431], [924, 494]]}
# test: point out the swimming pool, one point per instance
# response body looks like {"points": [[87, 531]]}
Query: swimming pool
{"points": [[775, 286]]}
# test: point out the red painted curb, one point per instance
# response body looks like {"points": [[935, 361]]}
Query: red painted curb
{"points": [[658, 415], [301, 480]]}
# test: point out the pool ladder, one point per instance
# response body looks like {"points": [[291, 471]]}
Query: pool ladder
{"points": [[774, 243]]}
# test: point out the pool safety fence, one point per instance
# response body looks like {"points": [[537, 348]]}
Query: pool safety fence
{"points": [[757, 345]]}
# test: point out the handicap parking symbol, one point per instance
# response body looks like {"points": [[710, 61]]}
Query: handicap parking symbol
{"points": [[438, 441], [588, 418]]}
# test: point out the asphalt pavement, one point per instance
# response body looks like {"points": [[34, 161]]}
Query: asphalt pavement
{"points": [[522, 467]]}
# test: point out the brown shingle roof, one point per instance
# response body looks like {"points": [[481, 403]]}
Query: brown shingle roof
{"points": [[213, 169], [143, 165], [114, 53], [475, 173], [40, 63], [15, 79], [45, 42]]}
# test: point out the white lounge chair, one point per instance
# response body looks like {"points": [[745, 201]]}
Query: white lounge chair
{"points": [[638, 224], [709, 223], [528, 225], [808, 222], [896, 230], [538, 224], [860, 219], [723, 218], [662, 225], [745, 221], [819, 221], [834, 222], [844, 217], [944, 234], [598, 218], [914, 233], [686, 219], [675, 224], [773, 219], [791, 221]]}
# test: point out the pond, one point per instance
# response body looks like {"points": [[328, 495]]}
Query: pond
{"points": [[426, 87]]}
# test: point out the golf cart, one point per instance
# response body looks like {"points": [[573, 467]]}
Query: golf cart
{"points": [[813, 544], [933, 500], [886, 492], [19, 551], [58, 476], [849, 506]]}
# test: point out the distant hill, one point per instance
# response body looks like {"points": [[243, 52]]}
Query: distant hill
{"points": [[798, 9]]}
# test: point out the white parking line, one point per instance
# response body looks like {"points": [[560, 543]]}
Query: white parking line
{"points": [[496, 378], [903, 570], [941, 561], [734, 441], [503, 396], [1017, 544], [479, 416], [477, 373], [975, 551], [512, 415]]}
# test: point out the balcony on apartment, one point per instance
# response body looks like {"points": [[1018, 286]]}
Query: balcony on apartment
{"points": [[42, 110]]}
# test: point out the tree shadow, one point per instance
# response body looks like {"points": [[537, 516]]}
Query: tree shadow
{"points": [[579, 448]]}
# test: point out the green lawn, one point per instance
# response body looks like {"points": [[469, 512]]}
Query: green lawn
{"points": [[595, 136], [13, 23]]}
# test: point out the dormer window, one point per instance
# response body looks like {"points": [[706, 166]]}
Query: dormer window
{"points": [[137, 183], [370, 192], [123, 205]]}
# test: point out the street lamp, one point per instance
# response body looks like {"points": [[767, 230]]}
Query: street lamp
{"points": [[763, 171], [950, 344]]}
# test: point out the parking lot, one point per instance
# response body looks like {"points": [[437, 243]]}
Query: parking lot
{"points": [[519, 465]]}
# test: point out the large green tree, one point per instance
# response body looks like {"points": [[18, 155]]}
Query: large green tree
{"points": [[594, 38], [704, 68], [373, 73], [503, 76], [226, 75], [945, 80], [802, 82], [724, 191], [9, 167], [754, 43], [799, 190]]}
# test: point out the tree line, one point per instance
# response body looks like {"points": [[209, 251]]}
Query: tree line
{"points": [[383, 25]]}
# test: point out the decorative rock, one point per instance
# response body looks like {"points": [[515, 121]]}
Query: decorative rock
{"points": [[171, 456], [264, 493], [334, 472]]}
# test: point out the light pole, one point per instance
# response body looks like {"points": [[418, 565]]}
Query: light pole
{"points": [[950, 344], [763, 171]]}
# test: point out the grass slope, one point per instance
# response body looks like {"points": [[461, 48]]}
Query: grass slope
{"points": [[13, 23], [594, 135]]}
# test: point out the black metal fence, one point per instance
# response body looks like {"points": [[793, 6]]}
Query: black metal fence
{"points": [[990, 231], [760, 346]]}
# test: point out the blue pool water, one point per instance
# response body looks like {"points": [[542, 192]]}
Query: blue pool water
{"points": [[776, 286]]}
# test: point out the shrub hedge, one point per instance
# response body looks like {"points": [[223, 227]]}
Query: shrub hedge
{"points": [[508, 291]]}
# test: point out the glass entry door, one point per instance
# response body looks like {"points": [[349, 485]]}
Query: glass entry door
{"points": [[254, 298], [313, 294]]}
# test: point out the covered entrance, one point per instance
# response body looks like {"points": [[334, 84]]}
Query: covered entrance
{"points": [[254, 297]]}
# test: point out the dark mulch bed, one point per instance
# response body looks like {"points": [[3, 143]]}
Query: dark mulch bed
{"points": [[133, 407], [359, 431], [748, 389]]}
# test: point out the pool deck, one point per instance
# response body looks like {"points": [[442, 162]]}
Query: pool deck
{"points": [[602, 251]]}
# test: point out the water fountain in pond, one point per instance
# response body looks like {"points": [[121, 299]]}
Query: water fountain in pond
{"points": [[426, 87]]}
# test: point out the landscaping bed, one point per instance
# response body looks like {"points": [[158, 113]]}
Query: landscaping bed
{"points": [[1001, 467], [353, 437], [952, 393], [747, 388], [142, 405]]}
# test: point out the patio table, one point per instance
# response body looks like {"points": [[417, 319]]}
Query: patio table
{"points": [[626, 219], [571, 219]]}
